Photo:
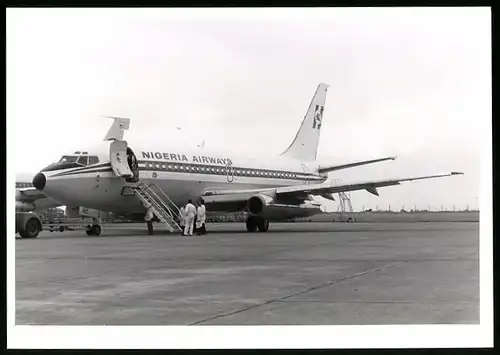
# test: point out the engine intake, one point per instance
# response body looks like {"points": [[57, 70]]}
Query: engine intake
{"points": [[257, 203]]}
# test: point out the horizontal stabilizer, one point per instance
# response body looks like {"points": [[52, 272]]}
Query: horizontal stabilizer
{"points": [[323, 168]]}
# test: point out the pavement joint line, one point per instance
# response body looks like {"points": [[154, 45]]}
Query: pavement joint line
{"points": [[325, 284]]}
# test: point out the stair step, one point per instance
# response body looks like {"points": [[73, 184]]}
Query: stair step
{"points": [[164, 210]]}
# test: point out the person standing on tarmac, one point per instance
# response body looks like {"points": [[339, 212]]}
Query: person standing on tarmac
{"points": [[149, 217], [190, 212], [201, 215], [182, 219]]}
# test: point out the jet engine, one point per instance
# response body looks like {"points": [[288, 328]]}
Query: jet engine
{"points": [[257, 203], [24, 206], [269, 208]]}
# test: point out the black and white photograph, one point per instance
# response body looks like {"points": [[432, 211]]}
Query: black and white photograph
{"points": [[237, 177]]}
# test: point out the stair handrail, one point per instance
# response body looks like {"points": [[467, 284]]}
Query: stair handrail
{"points": [[157, 200], [176, 210], [150, 191]]}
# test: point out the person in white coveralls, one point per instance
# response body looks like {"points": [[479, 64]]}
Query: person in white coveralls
{"points": [[201, 217], [189, 212], [182, 219]]}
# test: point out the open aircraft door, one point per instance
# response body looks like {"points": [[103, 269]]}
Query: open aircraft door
{"points": [[118, 158]]}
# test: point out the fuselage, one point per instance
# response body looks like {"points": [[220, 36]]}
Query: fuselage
{"points": [[181, 174]]}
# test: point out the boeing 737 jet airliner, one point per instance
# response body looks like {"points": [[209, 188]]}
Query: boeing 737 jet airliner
{"points": [[268, 188]]}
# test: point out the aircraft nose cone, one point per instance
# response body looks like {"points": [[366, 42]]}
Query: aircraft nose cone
{"points": [[39, 181]]}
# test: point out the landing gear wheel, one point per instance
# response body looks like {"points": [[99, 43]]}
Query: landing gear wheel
{"points": [[251, 224], [31, 229], [93, 229], [150, 228], [263, 224], [97, 229]]}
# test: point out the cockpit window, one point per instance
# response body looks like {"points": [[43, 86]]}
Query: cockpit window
{"points": [[93, 160], [73, 161], [83, 160], [68, 159]]}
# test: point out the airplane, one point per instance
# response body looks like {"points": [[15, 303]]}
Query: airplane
{"points": [[268, 188]]}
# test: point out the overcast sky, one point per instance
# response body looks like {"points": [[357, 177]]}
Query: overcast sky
{"points": [[411, 82]]}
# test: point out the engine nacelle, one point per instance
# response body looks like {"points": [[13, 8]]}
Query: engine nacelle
{"points": [[257, 203], [268, 208], [24, 206]]}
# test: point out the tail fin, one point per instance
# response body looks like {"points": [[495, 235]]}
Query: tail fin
{"points": [[305, 145]]}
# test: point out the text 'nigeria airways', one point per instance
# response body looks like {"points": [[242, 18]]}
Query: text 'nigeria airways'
{"points": [[183, 157]]}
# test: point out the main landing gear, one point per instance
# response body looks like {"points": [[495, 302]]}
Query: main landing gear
{"points": [[255, 222]]}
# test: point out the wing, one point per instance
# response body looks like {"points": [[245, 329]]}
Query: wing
{"points": [[31, 194], [370, 186], [236, 199]]}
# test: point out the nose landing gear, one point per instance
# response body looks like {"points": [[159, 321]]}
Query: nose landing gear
{"points": [[93, 228]]}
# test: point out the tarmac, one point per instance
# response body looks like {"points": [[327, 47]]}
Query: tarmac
{"points": [[294, 274]]}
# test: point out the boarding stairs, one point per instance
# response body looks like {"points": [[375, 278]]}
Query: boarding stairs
{"points": [[163, 207]]}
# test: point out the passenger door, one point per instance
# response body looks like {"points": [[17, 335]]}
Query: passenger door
{"points": [[118, 158]]}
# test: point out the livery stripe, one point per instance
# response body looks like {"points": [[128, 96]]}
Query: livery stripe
{"points": [[85, 171]]}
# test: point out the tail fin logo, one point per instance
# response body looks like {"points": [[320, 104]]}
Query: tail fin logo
{"points": [[318, 115]]}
